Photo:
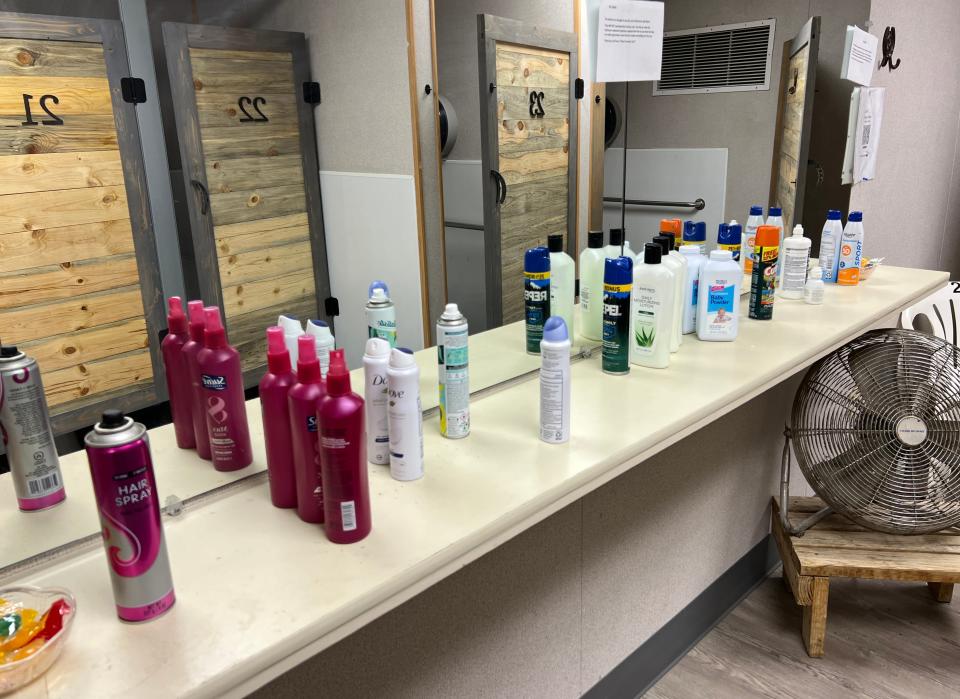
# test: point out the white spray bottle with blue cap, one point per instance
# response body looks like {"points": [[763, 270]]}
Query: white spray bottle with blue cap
{"points": [[292, 329], [381, 313], [325, 342], [555, 381]]}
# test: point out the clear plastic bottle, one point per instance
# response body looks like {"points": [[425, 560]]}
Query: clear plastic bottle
{"points": [[563, 274], [617, 238], [591, 287], [814, 289]]}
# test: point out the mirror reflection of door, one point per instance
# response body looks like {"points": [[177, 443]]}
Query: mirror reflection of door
{"points": [[528, 112]]}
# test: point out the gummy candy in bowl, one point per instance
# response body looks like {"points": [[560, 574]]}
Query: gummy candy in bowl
{"points": [[34, 625]]}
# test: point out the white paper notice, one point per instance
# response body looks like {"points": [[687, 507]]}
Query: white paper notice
{"points": [[859, 56], [629, 41]]}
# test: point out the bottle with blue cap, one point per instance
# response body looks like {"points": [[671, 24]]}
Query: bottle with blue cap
{"points": [[696, 234], [325, 341], [775, 218], [730, 237], [851, 251], [536, 295], [381, 313], [617, 283], [749, 239], [555, 382], [830, 246]]}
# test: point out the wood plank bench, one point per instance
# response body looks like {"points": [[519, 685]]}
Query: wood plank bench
{"points": [[837, 547]]}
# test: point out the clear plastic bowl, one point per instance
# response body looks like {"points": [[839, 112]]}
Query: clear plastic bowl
{"points": [[20, 673]]}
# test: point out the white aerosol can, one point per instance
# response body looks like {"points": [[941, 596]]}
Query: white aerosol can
{"points": [[404, 416], [292, 329], [376, 359], [381, 314], [325, 342], [453, 370], [555, 382]]}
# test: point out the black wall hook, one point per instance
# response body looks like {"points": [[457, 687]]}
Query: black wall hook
{"points": [[889, 42]]}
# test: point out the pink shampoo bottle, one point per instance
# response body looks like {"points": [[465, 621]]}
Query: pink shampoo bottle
{"points": [[179, 386], [190, 350], [274, 389], [343, 450], [222, 383], [303, 399]]}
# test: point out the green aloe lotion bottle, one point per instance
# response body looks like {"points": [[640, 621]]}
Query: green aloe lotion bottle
{"points": [[651, 310]]}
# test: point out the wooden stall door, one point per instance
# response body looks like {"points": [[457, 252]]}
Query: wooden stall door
{"points": [[70, 178], [797, 85], [527, 83], [247, 140]]}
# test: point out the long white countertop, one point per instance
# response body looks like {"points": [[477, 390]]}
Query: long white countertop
{"points": [[260, 591]]}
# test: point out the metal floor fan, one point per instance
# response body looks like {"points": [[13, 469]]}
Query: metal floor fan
{"points": [[876, 432]]}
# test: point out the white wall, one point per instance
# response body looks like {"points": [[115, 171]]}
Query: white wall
{"points": [[911, 211]]}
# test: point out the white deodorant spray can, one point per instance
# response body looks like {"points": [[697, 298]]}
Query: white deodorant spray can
{"points": [[376, 359], [404, 416], [555, 382], [325, 343], [453, 370]]}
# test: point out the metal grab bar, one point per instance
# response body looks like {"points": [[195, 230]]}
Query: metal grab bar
{"points": [[699, 204]]}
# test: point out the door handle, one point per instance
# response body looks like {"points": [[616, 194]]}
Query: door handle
{"points": [[204, 196], [501, 186]]}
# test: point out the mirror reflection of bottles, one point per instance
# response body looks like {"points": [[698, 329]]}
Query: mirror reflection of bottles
{"points": [[555, 382], [591, 287], [191, 348], [381, 314], [376, 359], [453, 371], [404, 416], [617, 282], [175, 369], [718, 308], [536, 295], [562, 281], [651, 309]]}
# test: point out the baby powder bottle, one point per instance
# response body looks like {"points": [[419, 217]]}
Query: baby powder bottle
{"points": [[719, 303]]}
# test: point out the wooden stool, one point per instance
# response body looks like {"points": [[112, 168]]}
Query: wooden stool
{"points": [[837, 547]]}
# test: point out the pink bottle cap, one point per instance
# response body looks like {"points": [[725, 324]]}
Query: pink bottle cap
{"points": [[195, 313], [176, 320], [338, 376], [308, 366], [214, 336], [278, 357]]}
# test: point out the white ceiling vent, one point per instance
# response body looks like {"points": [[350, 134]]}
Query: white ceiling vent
{"points": [[726, 58]]}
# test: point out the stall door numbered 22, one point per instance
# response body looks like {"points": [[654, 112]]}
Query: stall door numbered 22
{"points": [[70, 285]]}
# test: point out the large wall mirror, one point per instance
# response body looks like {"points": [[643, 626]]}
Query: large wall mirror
{"points": [[442, 139]]}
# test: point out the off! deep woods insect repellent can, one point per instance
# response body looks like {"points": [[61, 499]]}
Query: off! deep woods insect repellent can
{"points": [[763, 282], [126, 493], [536, 294], [27, 437], [617, 281]]}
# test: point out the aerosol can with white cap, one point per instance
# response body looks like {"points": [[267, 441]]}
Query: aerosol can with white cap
{"points": [[381, 313], [324, 341], [292, 329], [376, 359], [404, 416], [453, 370]]}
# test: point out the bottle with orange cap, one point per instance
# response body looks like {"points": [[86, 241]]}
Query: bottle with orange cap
{"points": [[763, 281]]}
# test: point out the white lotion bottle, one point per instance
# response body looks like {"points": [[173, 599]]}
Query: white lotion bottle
{"points": [[292, 329], [678, 266], [591, 287], [691, 287], [814, 289], [718, 308], [563, 272], [404, 416], [555, 382], [796, 256], [651, 310], [749, 239], [325, 342], [830, 240], [376, 359]]}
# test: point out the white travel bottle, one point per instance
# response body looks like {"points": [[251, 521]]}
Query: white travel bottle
{"points": [[830, 246], [691, 286], [563, 274], [651, 310], [292, 329], [678, 267], [591, 287], [404, 416], [814, 289], [555, 382], [718, 308], [376, 359], [325, 342], [795, 255]]}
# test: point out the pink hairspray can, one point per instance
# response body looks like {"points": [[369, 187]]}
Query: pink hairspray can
{"points": [[303, 398], [343, 454], [179, 386], [191, 348], [275, 406], [126, 493], [226, 408]]}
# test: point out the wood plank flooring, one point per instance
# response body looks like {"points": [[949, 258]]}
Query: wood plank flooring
{"points": [[884, 640]]}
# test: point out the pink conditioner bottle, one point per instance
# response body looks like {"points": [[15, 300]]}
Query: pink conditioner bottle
{"points": [[222, 383], [274, 389], [343, 449], [190, 350], [179, 386], [303, 431]]}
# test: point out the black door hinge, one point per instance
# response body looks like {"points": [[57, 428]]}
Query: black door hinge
{"points": [[133, 90], [332, 307], [311, 92], [578, 88]]}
